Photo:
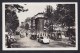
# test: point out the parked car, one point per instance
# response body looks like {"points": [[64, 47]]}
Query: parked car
{"points": [[33, 37], [13, 38], [43, 40], [9, 40]]}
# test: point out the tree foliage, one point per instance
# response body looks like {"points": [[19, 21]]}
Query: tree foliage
{"points": [[66, 13], [11, 19], [49, 16], [49, 12]]}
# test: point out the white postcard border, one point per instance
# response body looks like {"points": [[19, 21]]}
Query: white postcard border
{"points": [[3, 27]]}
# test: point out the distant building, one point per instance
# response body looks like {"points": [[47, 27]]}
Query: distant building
{"points": [[22, 25]]}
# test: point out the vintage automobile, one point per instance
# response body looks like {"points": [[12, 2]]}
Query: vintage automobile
{"points": [[33, 36], [43, 40], [9, 40]]}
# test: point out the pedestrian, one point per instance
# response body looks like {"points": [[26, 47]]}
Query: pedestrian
{"points": [[8, 42], [26, 34]]}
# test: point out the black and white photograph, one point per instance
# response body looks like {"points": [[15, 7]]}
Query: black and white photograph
{"points": [[40, 26]]}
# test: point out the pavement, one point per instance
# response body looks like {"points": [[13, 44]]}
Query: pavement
{"points": [[26, 42]]}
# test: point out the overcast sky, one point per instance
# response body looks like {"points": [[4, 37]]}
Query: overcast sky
{"points": [[33, 9]]}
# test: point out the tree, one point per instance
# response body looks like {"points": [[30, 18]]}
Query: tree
{"points": [[67, 13], [67, 16], [49, 12], [49, 17], [27, 22], [11, 19]]}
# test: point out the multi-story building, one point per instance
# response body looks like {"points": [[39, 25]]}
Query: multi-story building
{"points": [[38, 24]]}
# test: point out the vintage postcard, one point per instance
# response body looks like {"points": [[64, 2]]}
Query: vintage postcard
{"points": [[40, 26]]}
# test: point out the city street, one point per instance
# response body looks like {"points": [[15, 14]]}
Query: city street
{"points": [[26, 42]]}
